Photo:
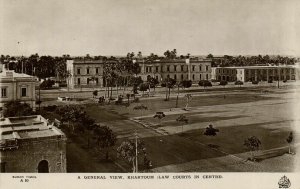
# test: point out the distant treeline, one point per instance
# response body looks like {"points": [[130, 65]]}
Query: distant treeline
{"points": [[226, 60], [55, 66]]}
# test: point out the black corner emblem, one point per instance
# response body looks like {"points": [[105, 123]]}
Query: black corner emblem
{"points": [[284, 182]]}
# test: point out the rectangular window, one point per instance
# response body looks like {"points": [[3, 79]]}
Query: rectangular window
{"points": [[206, 68], [3, 92], [193, 68], [87, 71], [168, 68], [175, 68], [78, 81], [3, 164], [97, 71], [78, 71], [206, 76], [200, 77], [97, 81], [23, 91], [200, 68], [156, 69], [182, 68]]}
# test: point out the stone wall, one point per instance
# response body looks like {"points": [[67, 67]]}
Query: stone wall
{"points": [[32, 151]]}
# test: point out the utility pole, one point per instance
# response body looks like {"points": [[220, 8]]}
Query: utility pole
{"points": [[136, 152]]}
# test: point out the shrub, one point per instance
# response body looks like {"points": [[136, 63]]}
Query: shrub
{"points": [[16, 108], [223, 82], [95, 93], [50, 108], [255, 82], [204, 83], [239, 83], [186, 83], [46, 84]]}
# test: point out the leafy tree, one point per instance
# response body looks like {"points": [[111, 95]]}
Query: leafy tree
{"points": [[211, 131], [183, 119], [152, 83], [252, 143], [73, 115], [47, 84], [290, 140], [171, 54], [141, 108], [159, 115], [205, 83], [210, 56], [127, 151], [128, 97], [16, 108], [95, 93], [144, 87], [240, 83], [188, 97], [223, 83], [186, 83], [135, 82], [139, 55], [169, 84], [105, 138]]}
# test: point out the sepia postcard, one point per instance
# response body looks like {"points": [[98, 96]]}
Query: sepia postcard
{"points": [[150, 94]]}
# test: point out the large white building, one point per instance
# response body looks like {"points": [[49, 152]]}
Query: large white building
{"points": [[89, 73], [178, 69], [254, 73], [17, 86], [81, 72]]}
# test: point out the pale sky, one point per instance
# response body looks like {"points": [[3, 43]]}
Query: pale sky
{"points": [[115, 27]]}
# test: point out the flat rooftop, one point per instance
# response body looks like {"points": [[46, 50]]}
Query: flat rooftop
{"points": [[26, 127]]}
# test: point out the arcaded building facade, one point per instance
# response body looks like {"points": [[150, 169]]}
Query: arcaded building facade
{"points": [[81, 71], [254, 73], [194, 70], [29, 144]]}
